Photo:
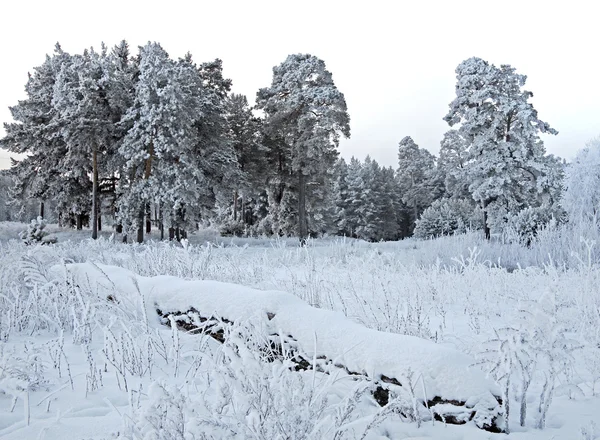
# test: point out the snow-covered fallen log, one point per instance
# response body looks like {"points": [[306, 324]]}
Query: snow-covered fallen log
{"points": [[440, 380]]}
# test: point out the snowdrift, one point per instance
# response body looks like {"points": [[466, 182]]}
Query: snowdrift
{"points": [[442, 380]]}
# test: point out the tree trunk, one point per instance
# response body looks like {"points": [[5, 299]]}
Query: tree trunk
{"points": [[79, 222], [140, 229], [119, 228], [235, 205], [124, 238], [178, 234], [145, 207], [95, 193], [161, 224], [99, 221], [302, 224], [171, 234], [243, 211], [486, 226], [42, 209], [148, 219]]}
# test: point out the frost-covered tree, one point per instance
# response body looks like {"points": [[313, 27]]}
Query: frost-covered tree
{"points": [[582, 185], [82, 99], [506, 158], [177, 149], [368, 202], [34, 132], [417, 178], [245, 133], [447, 217], [304, 108], [353, 201], [451, 163]]}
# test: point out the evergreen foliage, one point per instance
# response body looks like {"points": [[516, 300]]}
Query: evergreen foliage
{"points": [[147, 142]]}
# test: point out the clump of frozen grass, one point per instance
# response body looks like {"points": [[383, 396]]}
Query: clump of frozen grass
{"points": [[243, 392]]}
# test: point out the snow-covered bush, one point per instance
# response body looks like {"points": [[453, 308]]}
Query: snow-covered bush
{"points": [[581, 198], [525, 226], [231, 227], [447, 217], [35, 233], [537, 349]]}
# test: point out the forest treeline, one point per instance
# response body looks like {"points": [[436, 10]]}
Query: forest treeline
{"points": [[148, 143]]}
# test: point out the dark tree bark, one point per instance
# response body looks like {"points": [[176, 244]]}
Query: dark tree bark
{"points": [[302, 223], [95, 193], [235, 205], [140, 229], [486, 226], [148, 219], [161, 224], [42, 209]]}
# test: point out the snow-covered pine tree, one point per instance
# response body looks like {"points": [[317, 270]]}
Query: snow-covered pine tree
{"points": [[304, 107], [210, 160], [341, 196], [417, 179], [506, 161], [35, 133], [354, 197], [149, 135], [451, 164], [390, 205], [82, 100], [582, 185], [245, 133]]}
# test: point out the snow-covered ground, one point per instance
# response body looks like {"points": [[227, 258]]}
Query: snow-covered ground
{"points": [[84, 354]]}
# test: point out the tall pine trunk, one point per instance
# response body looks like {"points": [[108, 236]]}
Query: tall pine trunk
{"points": [[302, 223], [486, 226], [95, 193], [147, 172], [235, 205], [148, 219], [42, 209], [140, 229], [161, 224]]}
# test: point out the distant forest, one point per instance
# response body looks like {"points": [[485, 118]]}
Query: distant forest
{"points": [[144, 142]]}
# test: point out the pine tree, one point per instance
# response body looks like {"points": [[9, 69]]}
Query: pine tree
{"points": [[35, 133], [354, 197], [417, 179], [245, 133], [451, 163], [582, 185], [82, 100], [305, 109], [506, 161]]}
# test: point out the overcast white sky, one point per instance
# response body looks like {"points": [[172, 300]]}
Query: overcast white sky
{"points": [[393, 60]]}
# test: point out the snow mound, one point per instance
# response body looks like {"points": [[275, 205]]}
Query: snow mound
{"points": [[439, 372]]}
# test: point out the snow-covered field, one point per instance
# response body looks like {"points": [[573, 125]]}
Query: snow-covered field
{"points": [[84, 353]]}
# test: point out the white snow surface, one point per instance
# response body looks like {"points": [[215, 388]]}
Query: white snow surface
{"points": [[445, 372]]}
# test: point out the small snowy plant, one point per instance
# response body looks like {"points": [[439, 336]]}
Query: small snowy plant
{"points": [[448, 217], [35, 233]]}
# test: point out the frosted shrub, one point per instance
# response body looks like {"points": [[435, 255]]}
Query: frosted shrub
{"points": [[231, 227], [537, 349], [527, 223], [247, 394], [35, 233], [447, 217]]}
